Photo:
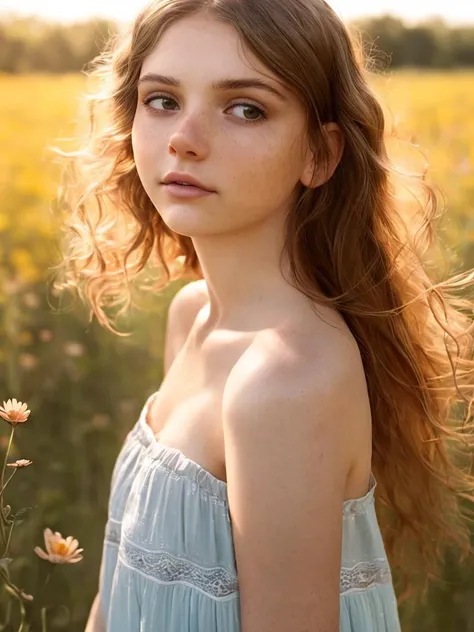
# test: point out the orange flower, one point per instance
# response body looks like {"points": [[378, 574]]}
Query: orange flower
{"points": [[14, 412], [20, 463], [59, 550]]}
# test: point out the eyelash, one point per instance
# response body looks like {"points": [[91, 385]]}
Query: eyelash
{"points": [[263, 114]]}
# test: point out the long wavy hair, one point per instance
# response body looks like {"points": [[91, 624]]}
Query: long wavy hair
{"points": [[356, 238]]}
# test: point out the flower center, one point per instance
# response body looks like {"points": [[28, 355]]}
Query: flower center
{"points": [[60, 548]]}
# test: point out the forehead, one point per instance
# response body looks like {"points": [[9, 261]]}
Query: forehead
{"points": [[202, 47]]}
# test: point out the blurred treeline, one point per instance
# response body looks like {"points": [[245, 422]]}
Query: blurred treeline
{"points": [[32, 45]]}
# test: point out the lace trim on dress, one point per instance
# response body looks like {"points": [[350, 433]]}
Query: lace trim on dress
{"points": [[217, 582], [163, 567], [364, 575]]}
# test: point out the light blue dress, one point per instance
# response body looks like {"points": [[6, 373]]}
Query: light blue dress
{"points": [[168, 558]]}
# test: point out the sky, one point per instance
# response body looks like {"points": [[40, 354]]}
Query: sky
{"points": [[453, 11]]}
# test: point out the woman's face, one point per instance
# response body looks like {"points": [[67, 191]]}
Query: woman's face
{"points": [[247, 144]]}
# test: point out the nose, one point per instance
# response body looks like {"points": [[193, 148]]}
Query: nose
{"points": [[190, 137]]}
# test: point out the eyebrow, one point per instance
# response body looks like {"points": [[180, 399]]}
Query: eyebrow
{"points": [[221, 84]]}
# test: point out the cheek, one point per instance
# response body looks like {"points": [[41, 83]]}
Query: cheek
{"points": [[145, 146], [270, 169], [137, 144]]}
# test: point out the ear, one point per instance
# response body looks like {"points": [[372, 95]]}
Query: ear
{"points": [[316, 175]]}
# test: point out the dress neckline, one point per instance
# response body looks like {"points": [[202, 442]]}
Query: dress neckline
{"points": [[162, 448], [173, 456]]}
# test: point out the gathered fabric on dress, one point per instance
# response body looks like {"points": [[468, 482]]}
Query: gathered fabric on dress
{"points": [[168, 557]]}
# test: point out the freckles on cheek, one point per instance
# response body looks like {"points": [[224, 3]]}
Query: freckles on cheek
{"points": [[268, 170]]}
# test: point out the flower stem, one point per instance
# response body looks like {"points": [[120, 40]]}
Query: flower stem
{"points": [[43, 619], [48, 577], [17, 593], [6, 455], [6, 620], [5, 486], [22, 627], [53, 566], [3, 520], [9, 538]]}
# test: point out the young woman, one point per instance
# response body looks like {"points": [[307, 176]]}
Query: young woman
{"points": [[309, 360]]}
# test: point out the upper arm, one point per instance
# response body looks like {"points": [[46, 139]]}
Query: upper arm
{"points": [[287, 465], [182, 313]]}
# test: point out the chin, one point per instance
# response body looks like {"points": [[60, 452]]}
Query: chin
{"points": [[183, 221]]}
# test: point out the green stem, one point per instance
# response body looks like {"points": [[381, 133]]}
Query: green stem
{"points": [[9, 538], [3, 520], [16, 592], [22, 627], [53, 566], [2, 526], [43, 619], [6, 457], [6, 620], [5, 486]]}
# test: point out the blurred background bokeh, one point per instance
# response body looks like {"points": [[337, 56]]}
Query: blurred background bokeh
{"points": [[86, 386]]}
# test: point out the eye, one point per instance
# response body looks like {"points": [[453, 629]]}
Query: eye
{"points": [[257, 114], [254, 109], [158, 97]]}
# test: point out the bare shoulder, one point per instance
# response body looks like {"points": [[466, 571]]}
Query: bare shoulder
{"points": [[292, 407], [182, 312], [297, 361], [190, 297], [305, 386]]}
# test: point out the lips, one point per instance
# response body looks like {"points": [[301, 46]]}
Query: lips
{"points": [[185, 179], [185, 184], [186, 192]]}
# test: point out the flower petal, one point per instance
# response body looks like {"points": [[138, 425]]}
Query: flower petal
{"points": [[48, 534], [76, 552], [39, 551]]}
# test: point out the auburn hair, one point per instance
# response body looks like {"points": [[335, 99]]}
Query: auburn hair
{"points": [[358, 237]]}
